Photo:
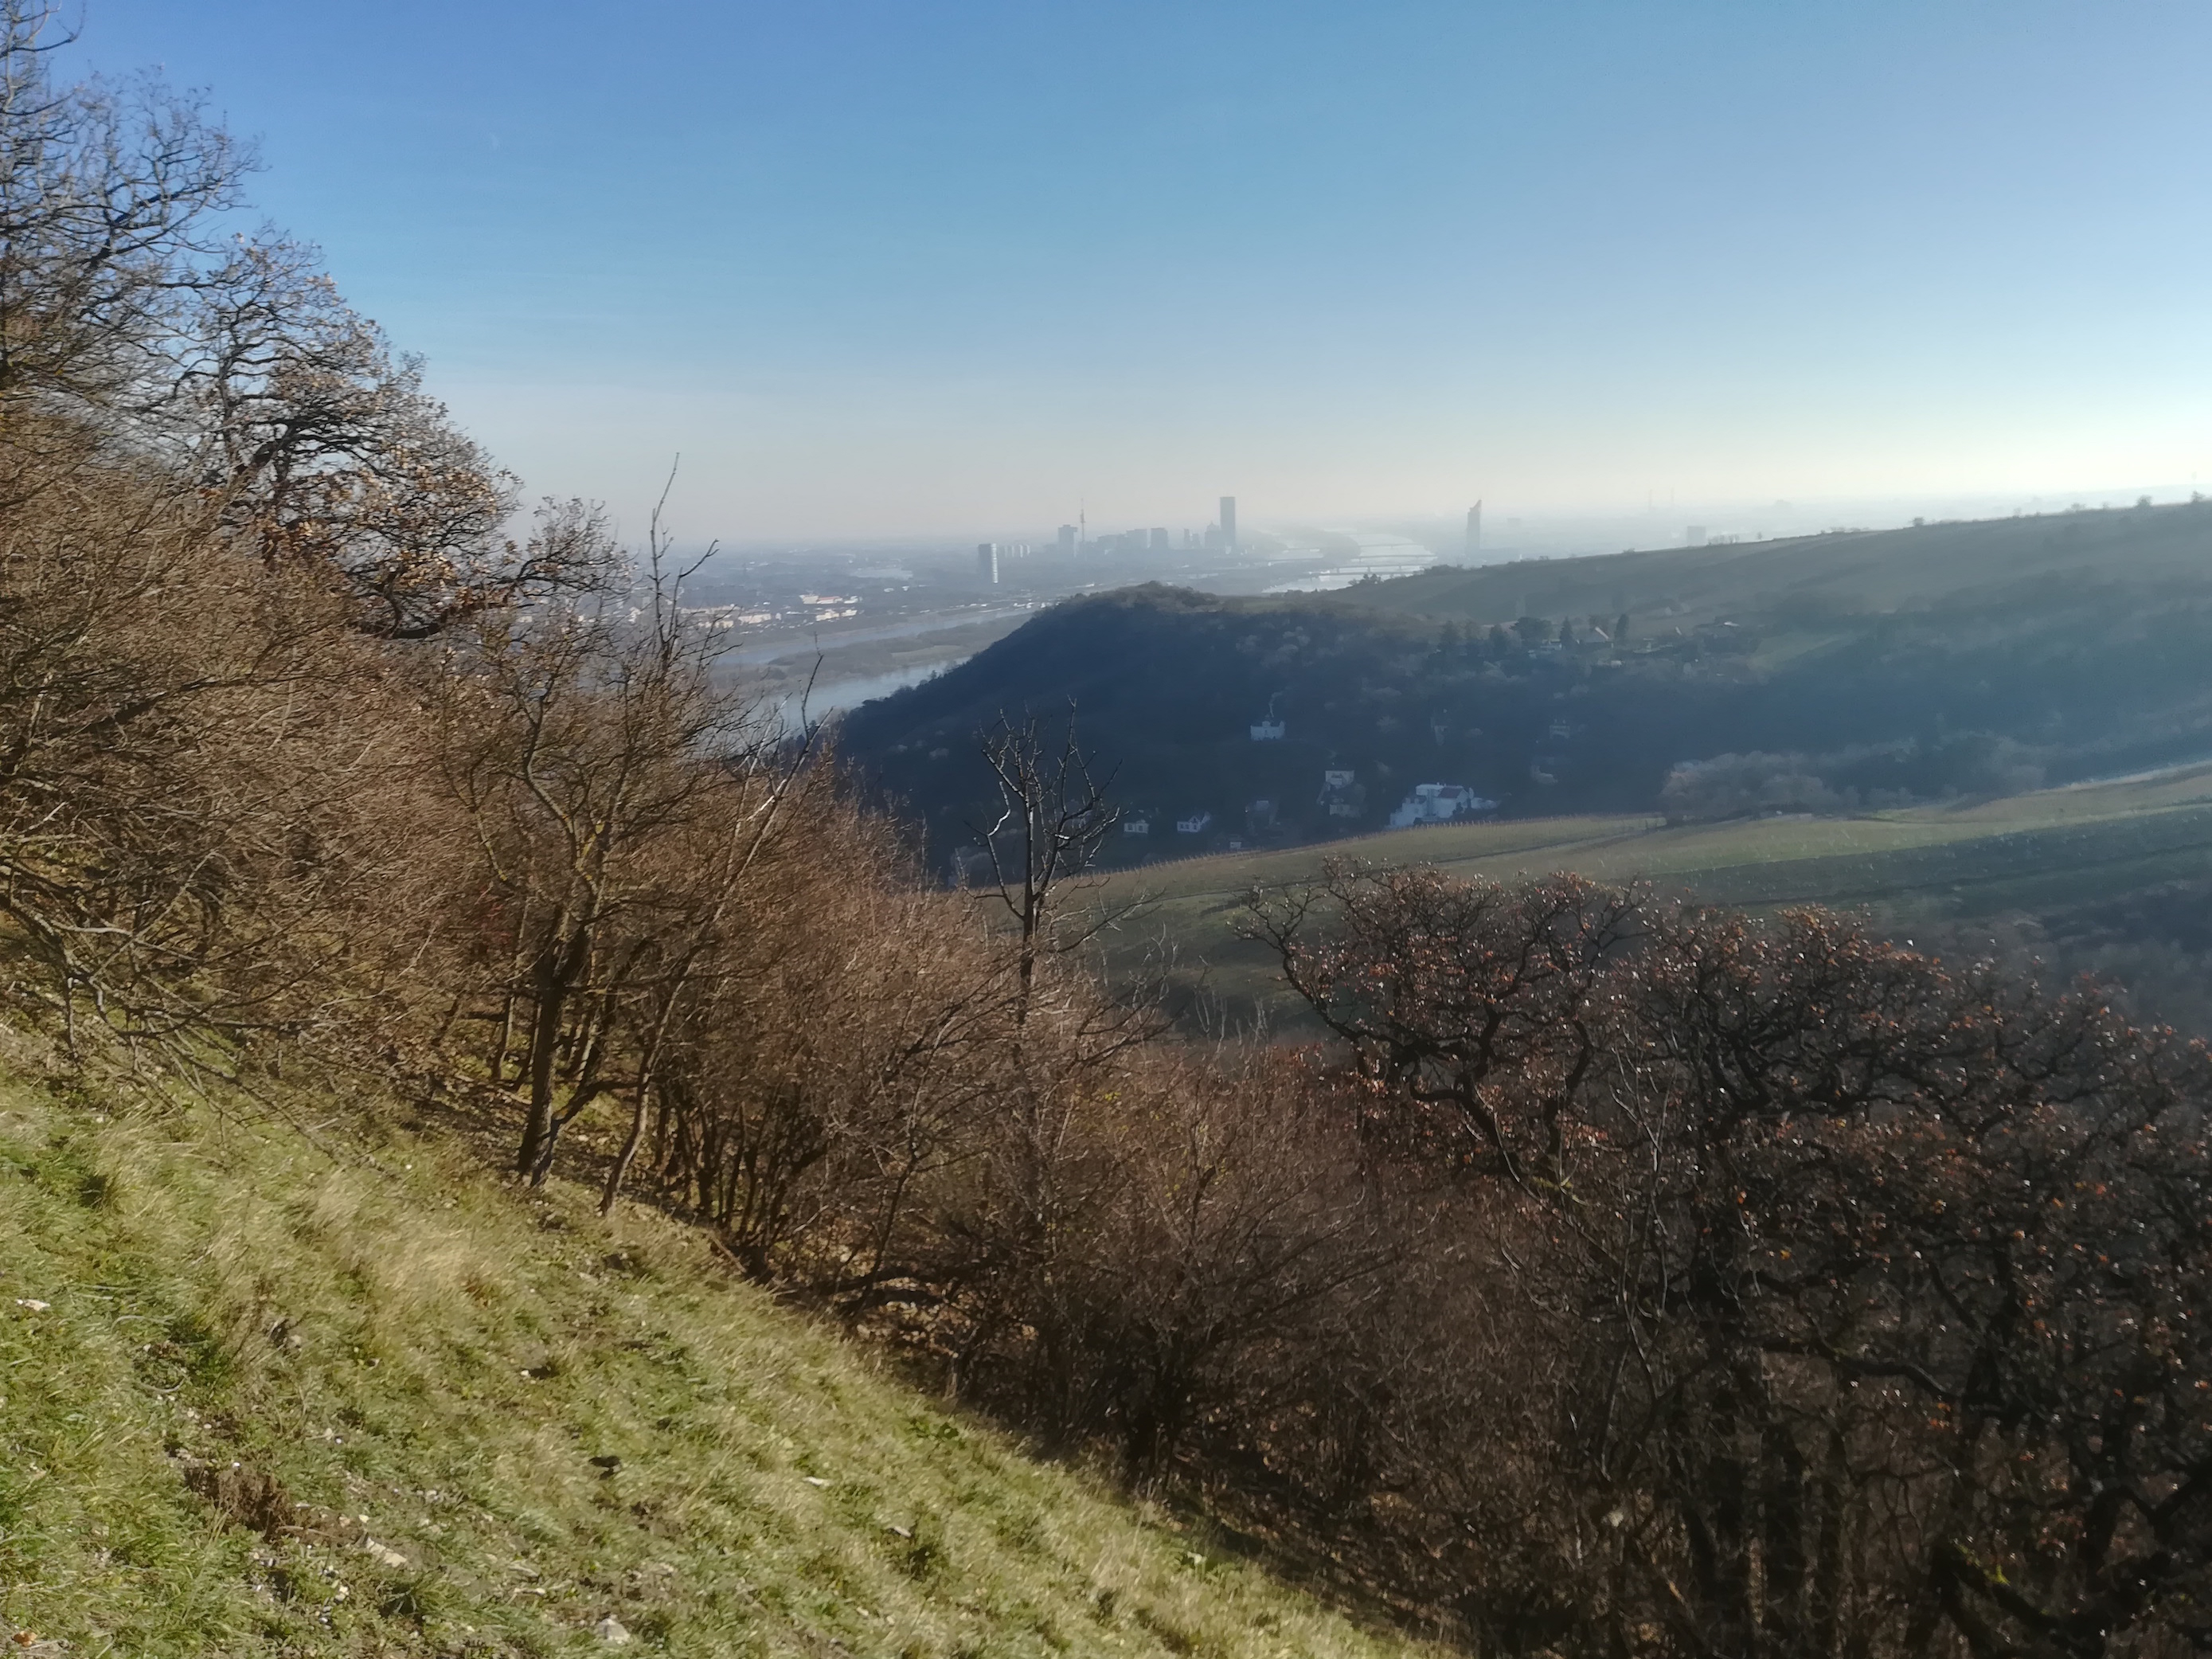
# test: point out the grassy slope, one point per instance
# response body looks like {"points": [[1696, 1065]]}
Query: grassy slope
{"points": [[426, 1365], [1938, 862]]}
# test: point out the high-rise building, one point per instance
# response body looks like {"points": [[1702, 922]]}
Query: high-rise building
{"points": [[1474, 530], [987, 562], [1067, 539], [1159, 539], [1229, 521]]}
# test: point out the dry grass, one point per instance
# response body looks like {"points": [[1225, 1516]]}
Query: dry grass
{"points": [[282, 1401]]}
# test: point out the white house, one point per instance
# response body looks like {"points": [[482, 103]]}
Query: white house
{"points": [[1196, 824], [1439, 803], [1267, 730], [1137, 823]]}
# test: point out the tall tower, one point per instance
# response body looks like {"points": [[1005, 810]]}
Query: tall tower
{"points": [[987, 562], [1228, 521], [1474, 530]]}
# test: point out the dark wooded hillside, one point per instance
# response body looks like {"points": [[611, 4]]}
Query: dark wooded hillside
{"points": [[1832, 673]]}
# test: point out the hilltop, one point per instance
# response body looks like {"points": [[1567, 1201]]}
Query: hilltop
{"points": [[1842, 671]]}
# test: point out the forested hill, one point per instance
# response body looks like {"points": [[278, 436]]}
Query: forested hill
{"points": [[1834, 673]]}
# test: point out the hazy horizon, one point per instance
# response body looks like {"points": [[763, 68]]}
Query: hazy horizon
{"points": [[1554, 532], [880, 272]]}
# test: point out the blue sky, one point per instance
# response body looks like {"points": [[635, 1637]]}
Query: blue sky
{"points": [[934, 266]]}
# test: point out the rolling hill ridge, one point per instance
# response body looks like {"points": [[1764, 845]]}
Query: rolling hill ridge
{"points": [[1839, 672]]}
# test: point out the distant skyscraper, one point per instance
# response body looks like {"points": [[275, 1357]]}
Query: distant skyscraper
{"points": [[986, 560], [1474, 530], [1229, 521], [1067, 539], [1159, 540]]}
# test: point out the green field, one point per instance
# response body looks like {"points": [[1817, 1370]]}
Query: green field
{"points": [[1935, 863]]}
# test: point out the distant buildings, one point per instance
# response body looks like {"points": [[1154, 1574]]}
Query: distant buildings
{"points": [[1269, 730], [1137, 823], [1440, 803], [987, 562], [1196, 824], [1076, 541], [1342, 795], [1474, 530]]}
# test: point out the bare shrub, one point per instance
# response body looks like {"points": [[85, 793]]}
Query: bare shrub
{"points": [[1146, 1268], [209, 801], [839, 1038], [1859, 1284]]}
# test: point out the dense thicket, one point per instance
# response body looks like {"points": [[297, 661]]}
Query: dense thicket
{"points": [[1856, 1300], [1621, 1278]]}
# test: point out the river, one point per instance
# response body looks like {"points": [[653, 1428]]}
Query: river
{"points": [[835, 694], [790, 647]]}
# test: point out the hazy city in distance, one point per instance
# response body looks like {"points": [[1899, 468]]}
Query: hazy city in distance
{"points": [[824, 615]]}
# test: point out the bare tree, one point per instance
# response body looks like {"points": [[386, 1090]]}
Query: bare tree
{"points": [[1054, 818], [107, 199], [622, 794], [327, 454], [134, 326], [1853, 1281]]}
